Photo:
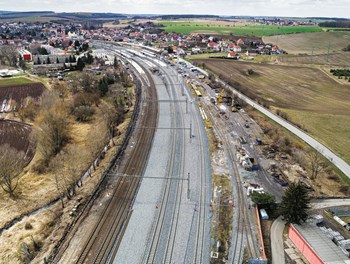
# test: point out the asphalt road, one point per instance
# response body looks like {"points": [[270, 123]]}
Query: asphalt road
{"points": [[324, 203], [277, 241]]}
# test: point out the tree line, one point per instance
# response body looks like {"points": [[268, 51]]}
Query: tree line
{"points": [[336, 24], [340, 73]]}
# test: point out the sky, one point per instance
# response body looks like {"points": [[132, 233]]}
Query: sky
{"points": [[291, 8]]}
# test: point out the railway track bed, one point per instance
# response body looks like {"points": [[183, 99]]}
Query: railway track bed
{"points": [[111, 210]]}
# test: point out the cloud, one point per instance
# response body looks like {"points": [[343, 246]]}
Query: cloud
{"points": [[215, 7]]}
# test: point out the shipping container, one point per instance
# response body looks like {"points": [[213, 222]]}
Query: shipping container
{"points": [[264, 215]]}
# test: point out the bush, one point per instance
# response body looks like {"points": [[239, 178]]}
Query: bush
{"points": [[251, 72], [84, 99], [83, 113], [29, 111], [28, 226], [40, 167], [333, 178], [344, 189]]}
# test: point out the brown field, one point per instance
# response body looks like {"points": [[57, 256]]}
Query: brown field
{"points": [[17, 135], [310, 97], [30, 19], [122, 23], [340, 59], [19, 92], [311, 43], [210, 21]]}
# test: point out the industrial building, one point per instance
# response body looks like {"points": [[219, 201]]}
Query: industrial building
{"points": [[316, 246], [25, 54]]}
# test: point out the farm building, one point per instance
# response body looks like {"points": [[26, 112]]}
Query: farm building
{"points": [[314, 244], [26, 55]]}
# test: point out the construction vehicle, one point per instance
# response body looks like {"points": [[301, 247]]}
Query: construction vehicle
{"points": [[154, 69], [219, 99], [208, 124], [227, 100]]}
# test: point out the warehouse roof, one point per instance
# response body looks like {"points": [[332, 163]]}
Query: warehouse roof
{"points": [[329, 252]]}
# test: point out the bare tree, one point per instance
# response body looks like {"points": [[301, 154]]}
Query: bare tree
{"points": [[12, 163], [316, 162], [98, 139], [111, 119], [8, 55], [53, 129], [88, 82], [73, 167], [61, 181], [67, 171]]}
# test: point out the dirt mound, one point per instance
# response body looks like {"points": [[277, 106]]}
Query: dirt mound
{"points": [[17, 135], [10, 95]]}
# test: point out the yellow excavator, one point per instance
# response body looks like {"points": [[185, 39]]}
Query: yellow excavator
{"points": [[219, 99]]}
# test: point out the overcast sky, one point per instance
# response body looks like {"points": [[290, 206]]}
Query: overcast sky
{"points": [[299, 8]]}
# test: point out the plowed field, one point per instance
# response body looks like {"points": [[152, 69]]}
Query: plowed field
{"points": [[12, 94], [17, 134]]}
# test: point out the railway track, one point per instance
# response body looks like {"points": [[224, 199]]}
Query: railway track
{"points": [[201, 209], [110, 227], [170, 245], [164, 234], [243, 235]]}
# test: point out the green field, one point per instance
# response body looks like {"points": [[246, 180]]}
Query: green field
{"points": [[331, 129], [12, 81], [186, 27]]}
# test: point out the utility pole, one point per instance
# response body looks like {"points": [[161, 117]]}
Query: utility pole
{"points": [[188, 187], [186, 105]]}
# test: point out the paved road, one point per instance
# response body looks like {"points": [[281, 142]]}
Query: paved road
{"points": [[327, 153], [324, 203], [277, 241]]}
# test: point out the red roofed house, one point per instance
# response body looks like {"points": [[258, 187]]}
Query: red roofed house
{"points": [[240, 42], [237, 48], [231, 54], [213, 45]]}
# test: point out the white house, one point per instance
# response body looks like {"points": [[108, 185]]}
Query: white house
{"points": [[237, 48]]}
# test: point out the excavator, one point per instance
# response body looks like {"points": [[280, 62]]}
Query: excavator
{"points": [[219, 99]]}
